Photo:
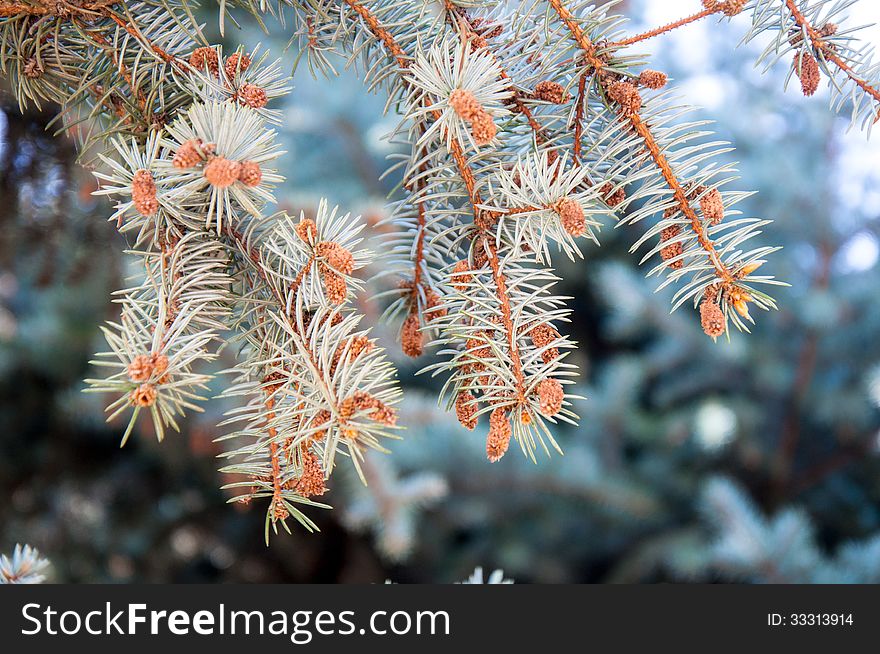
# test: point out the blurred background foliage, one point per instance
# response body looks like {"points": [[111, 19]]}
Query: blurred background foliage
{"points": [[750, 460]]}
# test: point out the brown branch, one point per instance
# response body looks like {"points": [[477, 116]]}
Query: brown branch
{"points": [[111, 53], [381, 33], [469, 180], [644, 131], [137, 34], [506, 314], [254, 256], [61, 9], [277, 485], [667, 28], [819, 43], [579, 118], [467, 27]]}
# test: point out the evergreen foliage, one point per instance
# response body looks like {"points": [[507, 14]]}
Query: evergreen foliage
{"points": [[525, 127]]}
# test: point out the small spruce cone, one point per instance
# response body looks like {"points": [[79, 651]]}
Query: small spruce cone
{"points": [[712, 206], [615, 198], [321, 421], [572, 216], [626, 95], [337, 256], [670, 252], [334, 286], [250, 174], [552, 92], [140, 368], [543, 335], [732, 7], [483, 128], [712, 318], [465, 104], [434, 309], [307, 230], [221, 172], [670, 232], [143, 193], [500, 431], [362, 400], [279, 511], [32, 68], [160, 365], [253, 96], [652, 79], [466, 409], [383, 414], [143, 396], [236, 63], [807, 69], [273, 381], [481, 258], [311, 482], [206, 56], [828, 29], [460, 276], [477, 349], [189, 154], [411, 337], [550, 396]]}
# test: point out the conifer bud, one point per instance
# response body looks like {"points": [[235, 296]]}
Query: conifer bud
{"points": [[672, 250], [500, 431], [32, 68], [279, 511], [221, 172], [144, 366], [466, 410], [189, 154], [143, 396], [434, 303], [550, 396], [483, 128], [732, 7], [626, 95], [571, 214], [236, 63], [311, 481], [611, 197], [807, 69], [143, 193], [253, 96], [321, 421], [140, 368], [543, 335], [712, 318], [712, 206], [202, 57], [652, 79], [411, 337], [250, 173], [828, 29], [460, 276], [550, 91], [307, 230], [465, 104], [335, 288], [337, 256]]}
